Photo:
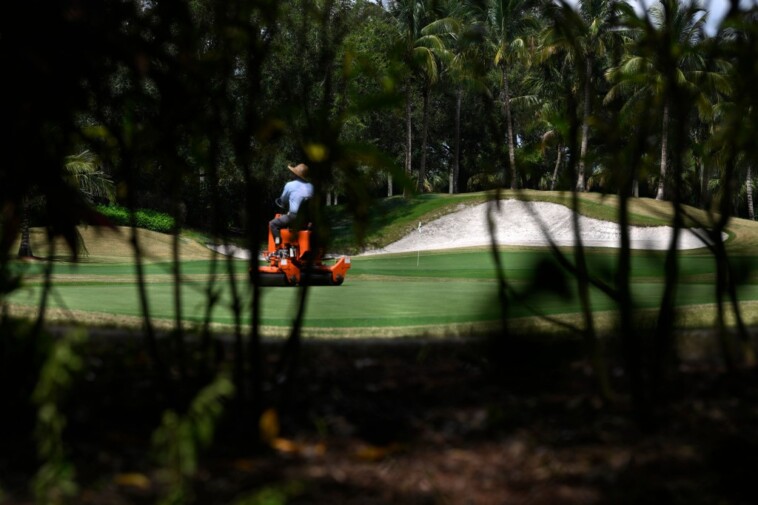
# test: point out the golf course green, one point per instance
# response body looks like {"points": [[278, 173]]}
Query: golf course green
{"points": [[392, 294]]}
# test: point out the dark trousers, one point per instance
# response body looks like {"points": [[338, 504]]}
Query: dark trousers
{"points": [[278, 223]]}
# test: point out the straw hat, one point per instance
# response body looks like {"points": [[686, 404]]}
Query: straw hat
{"points": [[300, 170]]}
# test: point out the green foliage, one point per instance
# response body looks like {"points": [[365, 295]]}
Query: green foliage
{"points": [[55, 480], [179, 439], [143, 218]]}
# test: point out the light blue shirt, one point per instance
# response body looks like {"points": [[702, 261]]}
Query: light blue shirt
{"points": [[295, 192]]}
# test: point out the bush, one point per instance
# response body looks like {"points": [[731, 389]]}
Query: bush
{"points": [[145, 218]]}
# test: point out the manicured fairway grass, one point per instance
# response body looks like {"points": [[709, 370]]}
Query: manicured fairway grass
{"points": [[411, 293], [414, 291]]}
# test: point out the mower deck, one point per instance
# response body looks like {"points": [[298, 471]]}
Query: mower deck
{"points": [[295, 262]]}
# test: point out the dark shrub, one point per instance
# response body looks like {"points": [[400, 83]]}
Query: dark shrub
{"points": [[145, 218]]}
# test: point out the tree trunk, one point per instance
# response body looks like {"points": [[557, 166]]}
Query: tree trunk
{"points": [[636, 188], [457, 144], [25, 248], [506, 100], [580, 180], [424, 134], [389, 184], [749, 191], [703, 186], [661, 194], [408, 136], [558, 160]]}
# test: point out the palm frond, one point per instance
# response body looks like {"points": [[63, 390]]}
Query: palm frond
{"points": [[426, 60], [525, 101], [84, 172], [444, 26]]}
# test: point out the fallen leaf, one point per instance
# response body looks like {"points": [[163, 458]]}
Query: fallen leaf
{"points": [[376, 452], [135, 480], [269, 425], [285, 445]]}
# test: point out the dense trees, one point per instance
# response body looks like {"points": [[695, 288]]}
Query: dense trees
{"points": [[514, 63], [463, 95], [647, 69]]}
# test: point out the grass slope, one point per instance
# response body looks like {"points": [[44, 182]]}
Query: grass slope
{"points": [[113, 245]]}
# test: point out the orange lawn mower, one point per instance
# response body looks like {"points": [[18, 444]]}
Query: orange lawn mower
{"points": [[296, 262]]}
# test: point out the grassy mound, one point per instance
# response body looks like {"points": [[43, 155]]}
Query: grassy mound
{"points": [[393, 218], [106, 245], [390, 220]]}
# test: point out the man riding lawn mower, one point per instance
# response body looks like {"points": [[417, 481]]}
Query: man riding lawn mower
{"points": [[293, 255]]}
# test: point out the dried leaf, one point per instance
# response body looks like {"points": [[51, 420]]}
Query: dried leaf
{"points": [[375, 452], [269, 425], [135, 480], [286, 445]]}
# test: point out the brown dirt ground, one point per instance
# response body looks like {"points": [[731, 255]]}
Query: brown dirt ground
{"points": [[417, 422]]}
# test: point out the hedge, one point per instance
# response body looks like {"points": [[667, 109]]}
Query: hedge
{"points": [[148, 219]]}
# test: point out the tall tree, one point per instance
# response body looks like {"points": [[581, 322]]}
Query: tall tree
{"points": [[749, 193], [422, 49], [510, 24], [430, 54], [465, 43], [662, 60], [582, 36], [454, 24], [371, 71], [552, 116]]}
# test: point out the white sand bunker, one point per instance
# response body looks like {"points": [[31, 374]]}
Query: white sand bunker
{"points": [[529, 224], [230, 250]]}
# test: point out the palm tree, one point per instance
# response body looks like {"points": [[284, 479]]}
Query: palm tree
{"points": [[664, 64], [553, 137], [429, 54], [554, 81], [749, 192], [81, 171], [461, 27], [510, 26], [556, 57], [422, 49], [728, 183], [25, 248], [582, 37]]}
